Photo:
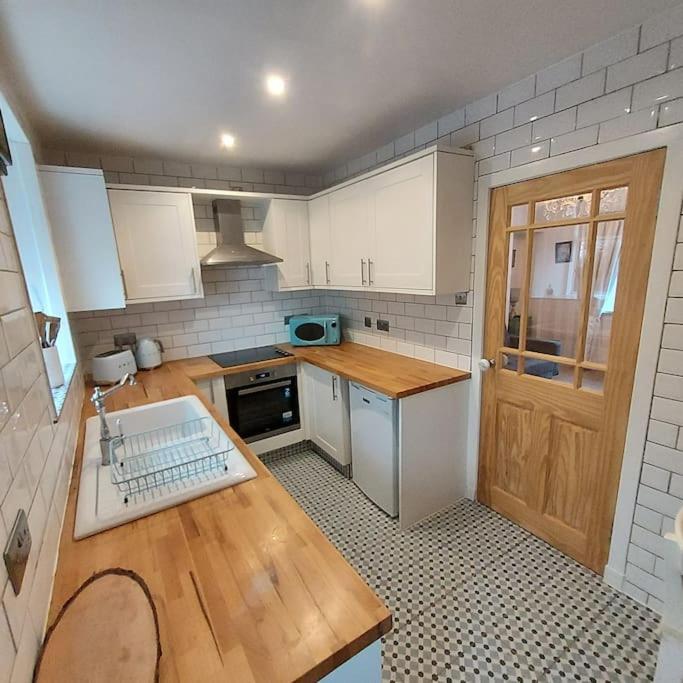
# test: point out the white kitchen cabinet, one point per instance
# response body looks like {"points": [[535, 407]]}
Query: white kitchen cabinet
{"points": [[156, 237], [406, 228], [350, 223], [83, 237], [327, 396], [402, 247], [285, 234], [321, 245]]}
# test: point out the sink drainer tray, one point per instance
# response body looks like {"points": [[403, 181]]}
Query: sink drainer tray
{"points": [[181, 452]]}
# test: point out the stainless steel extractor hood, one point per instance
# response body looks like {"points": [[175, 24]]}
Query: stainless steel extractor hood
{"points": [[231, 249]]}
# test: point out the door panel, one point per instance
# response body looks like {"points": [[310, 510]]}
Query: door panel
{"points": [[319, 226], [403, 249], [156, 238], [349, 228], [563, 328]]}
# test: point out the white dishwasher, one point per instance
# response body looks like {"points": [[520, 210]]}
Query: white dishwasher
{"points": [[374, 451]]}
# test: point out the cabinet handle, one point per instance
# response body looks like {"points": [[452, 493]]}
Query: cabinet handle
{"points": [[193, 275], [362, 272], [370, 264], [308, 273], [334, 388], [125, 288], [327, 272]]}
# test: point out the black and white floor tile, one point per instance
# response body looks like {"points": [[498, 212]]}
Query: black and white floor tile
{"points": [[473, 596]]}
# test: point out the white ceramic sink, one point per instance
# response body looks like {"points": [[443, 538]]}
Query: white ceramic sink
{"points": [[103, 505]]}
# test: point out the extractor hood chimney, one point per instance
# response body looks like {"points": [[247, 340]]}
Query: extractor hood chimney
{"points": [[231, 249]]}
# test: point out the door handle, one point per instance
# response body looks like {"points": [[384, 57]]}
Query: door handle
{"points": [[193, 275], [334, 387], [362, 272], [370, 264], [308, 273], [486, 363], [327, 272]]}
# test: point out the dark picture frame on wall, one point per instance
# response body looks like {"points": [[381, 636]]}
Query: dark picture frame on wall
{"points": [[563, 252], [5, 154]]}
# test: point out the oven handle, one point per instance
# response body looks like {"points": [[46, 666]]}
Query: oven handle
{"points": [[264, 387]]}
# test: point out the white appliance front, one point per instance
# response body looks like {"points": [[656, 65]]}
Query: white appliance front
{"points": [[374, 450]]}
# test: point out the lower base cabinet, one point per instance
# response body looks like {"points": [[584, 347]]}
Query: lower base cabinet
{"points": [[327, 403]]}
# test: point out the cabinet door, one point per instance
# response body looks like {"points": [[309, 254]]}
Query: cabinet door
{"points": [[349, 225], [402, 252], [328, 405], [155, 233], [319, 229], [285, 234], [83, 237]]}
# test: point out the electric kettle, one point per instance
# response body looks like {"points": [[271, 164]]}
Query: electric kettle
{"points": [[148, 353]]}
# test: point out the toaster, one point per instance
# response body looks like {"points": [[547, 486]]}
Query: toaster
{"points": [[110, 366]]}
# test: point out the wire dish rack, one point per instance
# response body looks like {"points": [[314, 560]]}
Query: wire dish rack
{"points": [[196, 449]]}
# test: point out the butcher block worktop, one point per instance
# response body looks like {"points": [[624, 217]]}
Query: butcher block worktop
{"points": [[246, 586], [389, 373]]}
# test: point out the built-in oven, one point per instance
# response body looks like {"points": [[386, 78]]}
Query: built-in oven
{"points": [[263, 403]]}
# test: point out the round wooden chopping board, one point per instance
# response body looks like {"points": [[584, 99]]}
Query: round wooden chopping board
{"points": [[107, 630]]}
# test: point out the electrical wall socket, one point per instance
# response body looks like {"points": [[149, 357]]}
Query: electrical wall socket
{"points": [[17, 551], [461, 298], [383, 325], [368, 321], [287, 318]]}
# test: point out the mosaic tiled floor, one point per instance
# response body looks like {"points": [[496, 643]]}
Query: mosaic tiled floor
{"points": [[473, 596]]}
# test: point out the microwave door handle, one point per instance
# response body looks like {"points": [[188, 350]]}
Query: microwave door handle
{"points": [[264, 387]]}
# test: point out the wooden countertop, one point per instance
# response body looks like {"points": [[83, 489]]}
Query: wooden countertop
{"points": [[389, 373], [246, 586]]}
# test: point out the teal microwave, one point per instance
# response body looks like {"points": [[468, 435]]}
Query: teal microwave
{"points": [[314, 330]]}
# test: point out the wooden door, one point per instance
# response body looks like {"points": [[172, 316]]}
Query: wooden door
{"points": [[319, 227], [349, 226], [402, 251], [157, 243], [568, 263]]}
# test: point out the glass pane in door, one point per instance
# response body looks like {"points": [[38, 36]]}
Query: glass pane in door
{"points": [[519, 215], [573, 206], [603, 289], [612, 201], [558, 257], [548, 369], [515, 273]]}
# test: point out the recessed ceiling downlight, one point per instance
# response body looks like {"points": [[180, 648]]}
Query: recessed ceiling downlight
{"points": [[275, 85], [227, 140]]}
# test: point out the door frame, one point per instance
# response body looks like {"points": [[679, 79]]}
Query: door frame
{"points": [[666, 231]]}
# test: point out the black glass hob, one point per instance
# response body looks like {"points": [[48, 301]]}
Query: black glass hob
{"points": [[244, 356]]}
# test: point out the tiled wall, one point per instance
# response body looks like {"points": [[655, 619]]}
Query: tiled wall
{"points": [[628, 84], [237, 311], [35, 464]]}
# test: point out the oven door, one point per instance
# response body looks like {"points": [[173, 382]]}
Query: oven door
{"points": [[263, 410]]}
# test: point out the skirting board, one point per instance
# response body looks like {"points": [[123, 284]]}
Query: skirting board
{"points": [[432, 437]]}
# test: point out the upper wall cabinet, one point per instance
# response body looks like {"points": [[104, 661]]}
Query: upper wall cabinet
{"points": [[156, 237], [78, 210], [320, 238], [285, 234], [406, 228]]}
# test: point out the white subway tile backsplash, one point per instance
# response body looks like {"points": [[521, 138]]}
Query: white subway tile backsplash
{"points": [[631, 124], [525, 155], [558, 74], [610, 51], [405, 143], [513, 139], [426, 134], [668, 86], [581, 90], [552, 126], [604, 108], [670, 113], [637, 68], [496, 123], [517, 92], [535, 109], [451, 122], [465, 136], [585, 137], [480, 109], [493, 164]]}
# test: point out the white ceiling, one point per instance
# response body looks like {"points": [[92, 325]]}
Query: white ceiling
{"points": [[164, 78]]}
